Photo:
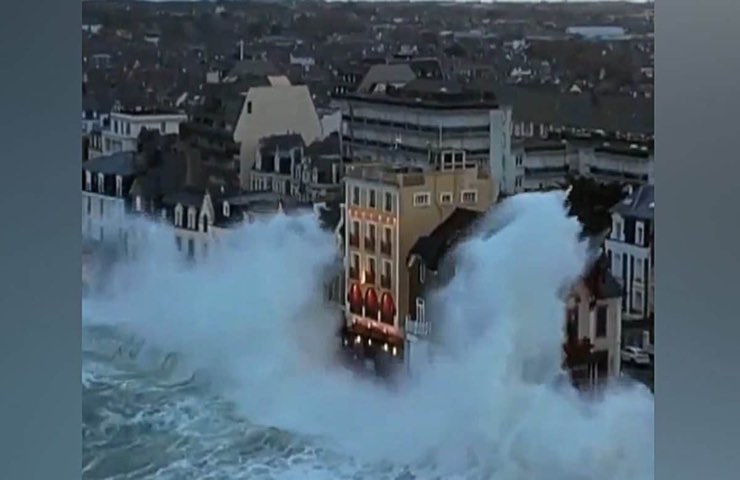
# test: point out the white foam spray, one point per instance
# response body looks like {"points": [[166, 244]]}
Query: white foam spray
{"points": [[254, 315]]}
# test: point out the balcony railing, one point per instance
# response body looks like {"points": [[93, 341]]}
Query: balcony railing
{"points": [[420, 329], [385, 281], [385, 248], [354, 241]]}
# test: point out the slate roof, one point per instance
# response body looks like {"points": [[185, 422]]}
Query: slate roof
{"points": [[121, 163], [433, 247], [610, 113], [640, 204]]}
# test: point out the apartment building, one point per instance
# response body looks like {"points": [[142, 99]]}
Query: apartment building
{"points": [[631, 250], [430, 124], [591, 320], [105, 202], [304, 173], [250, 102], [386, 209], [543, 164], [124, 127]]}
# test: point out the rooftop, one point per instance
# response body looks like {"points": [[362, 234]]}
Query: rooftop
{"points": [[638, 204], [433, 247], [433, 94], [122, 163]]}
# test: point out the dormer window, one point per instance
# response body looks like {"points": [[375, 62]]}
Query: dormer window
{"points": [[178, 216], [204, 220], [101, 183], [227, 209], [119, 186], [191, 219], [88, 181]]}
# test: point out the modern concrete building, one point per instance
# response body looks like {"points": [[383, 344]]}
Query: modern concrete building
{"points": [[387, 208], [430, 124], [542, 164]]}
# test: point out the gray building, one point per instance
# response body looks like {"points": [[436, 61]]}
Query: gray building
{"points": [[429, 123]]}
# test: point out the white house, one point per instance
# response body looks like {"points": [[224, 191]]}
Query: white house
{"points": [[125, 125], [105, 184], [631, 250]]}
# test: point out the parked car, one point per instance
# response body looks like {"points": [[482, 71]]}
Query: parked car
{"points": [[635, 355]]}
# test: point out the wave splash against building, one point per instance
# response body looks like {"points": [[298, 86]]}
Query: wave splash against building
{"points": [[254, 317]]}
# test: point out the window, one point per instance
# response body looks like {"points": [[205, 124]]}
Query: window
{"points": [[88, 181], [518, 160], [445, 198], [372, 235], [388, 202], [354, 268], [371, 199], [638, 269], [420, 314], [102, 208], [387, 274], [128, 129], [422, 199], [89, 205], [191, 218], [249, 107], [356, 196], [101, 183], [178, 242], [191, 248], [518, 182], [371, 269], [385, 244], [178, 216], [639, 233], [163, 127], [119, 186], [204, 223], [227, 209], [617, 229], [469, 196], [601, 321], [422, 272], [637, 300]]}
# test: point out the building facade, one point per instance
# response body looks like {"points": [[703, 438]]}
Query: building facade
{"points": [[631, 250], [125, 126], [386, 209], [105, 203], [431, 124]]}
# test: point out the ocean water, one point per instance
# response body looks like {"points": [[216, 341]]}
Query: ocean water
{"points": [[226, 369]]}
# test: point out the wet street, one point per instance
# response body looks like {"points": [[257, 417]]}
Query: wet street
{"points": [[643, 374]]}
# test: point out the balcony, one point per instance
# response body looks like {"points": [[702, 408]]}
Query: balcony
{"points": [[385, 248], [420, 329], [354, 240], [385, 281]]}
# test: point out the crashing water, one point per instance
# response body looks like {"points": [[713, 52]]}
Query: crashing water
{"points": [[254, 391]]}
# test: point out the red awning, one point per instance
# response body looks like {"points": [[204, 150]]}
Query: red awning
{"points": [[387, 308], [371, 303]]}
